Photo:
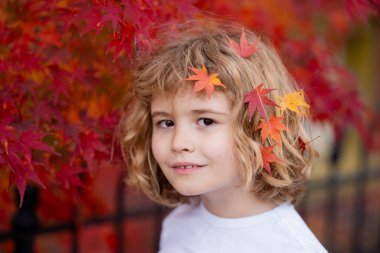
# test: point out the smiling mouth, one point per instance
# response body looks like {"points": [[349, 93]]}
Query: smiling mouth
{"points": [[186, 169], [186, 166]]}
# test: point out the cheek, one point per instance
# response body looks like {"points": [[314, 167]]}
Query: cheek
{"points": [[157, 146], [221, 148]]}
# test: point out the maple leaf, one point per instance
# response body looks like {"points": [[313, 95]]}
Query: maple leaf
{"points": [[20, 171], [112, 13], [19, 159], [295, 102], [33, 140], [268, 157], [256, 100], [302, 145], [92, 16], [272, 128], [205, 81], [59, 84], [69, 176], [244, 49], [89, 144]]}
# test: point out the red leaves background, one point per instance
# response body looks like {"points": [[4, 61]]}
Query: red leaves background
{"points": [[64, 66]]}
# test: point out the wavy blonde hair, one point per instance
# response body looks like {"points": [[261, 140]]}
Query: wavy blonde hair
{"points": [[191, 45]]}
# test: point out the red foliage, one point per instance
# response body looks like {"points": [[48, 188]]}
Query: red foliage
{"points": [[64, 66]]}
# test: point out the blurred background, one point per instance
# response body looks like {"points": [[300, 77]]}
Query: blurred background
{"points": [[64, 67]]}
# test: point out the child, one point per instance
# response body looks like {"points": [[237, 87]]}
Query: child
{"points": [[213, 125]]}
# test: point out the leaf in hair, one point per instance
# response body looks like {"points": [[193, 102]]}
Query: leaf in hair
{"points": [[244, 49], [204, 81], [256, 100], [295, 102], [272, 128], [268, 157]]}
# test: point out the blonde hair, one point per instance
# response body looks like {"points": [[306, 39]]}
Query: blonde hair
{"points": [[191, 45]]}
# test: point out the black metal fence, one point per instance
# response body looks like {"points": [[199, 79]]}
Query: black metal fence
{"points": [[26, 226], [328, 216]]}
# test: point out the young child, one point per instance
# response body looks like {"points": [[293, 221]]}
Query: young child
{"points": [[213, 125]]}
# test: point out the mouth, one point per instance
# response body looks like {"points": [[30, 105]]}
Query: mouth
{"points": [[186, 168]]}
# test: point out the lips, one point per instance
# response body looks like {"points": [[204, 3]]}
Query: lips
{"points": [[186, 168]]}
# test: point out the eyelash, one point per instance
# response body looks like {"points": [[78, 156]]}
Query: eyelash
{"points": [[161, 123], [207, 119]]}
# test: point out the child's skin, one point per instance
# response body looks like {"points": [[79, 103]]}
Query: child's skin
{"points": [[195, 131]]}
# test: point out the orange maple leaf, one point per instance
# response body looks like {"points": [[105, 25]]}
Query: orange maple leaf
{"points": [[244, 50], [205, 81], [256, 100], [268, 157], [272, 128]]}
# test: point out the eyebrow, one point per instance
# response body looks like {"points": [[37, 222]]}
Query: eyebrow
{"points": [[196, 111], [158, 113], [204, 111]]}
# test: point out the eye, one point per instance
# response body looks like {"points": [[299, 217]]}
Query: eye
{"points": [[165, 123], [205, 122]]}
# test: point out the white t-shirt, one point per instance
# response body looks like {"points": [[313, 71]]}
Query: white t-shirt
{"points": [[191, 228]]}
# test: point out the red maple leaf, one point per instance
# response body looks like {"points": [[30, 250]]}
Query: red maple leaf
{"points": [[205, 81], [302, 145], [69, 176], [60, 82], [268, 157], [112, 13], [244, 49], [17, 156], [33, 140], [89, 145], [272, 128], [92, 17], [256, 100]]}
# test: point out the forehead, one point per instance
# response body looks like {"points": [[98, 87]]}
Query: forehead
{"points": [[186, 99]]}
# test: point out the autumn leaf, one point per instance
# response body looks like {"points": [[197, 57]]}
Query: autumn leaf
{"points": [[244, 49], [89, 145], [272, 128], [295, 102], [16, 154], [268, 157], [69, 176], [33, 140], [205, 81], [302, 144], [256, 100], [112, 13], [19, 175]]}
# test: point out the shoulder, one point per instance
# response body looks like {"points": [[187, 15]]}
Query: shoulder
{"points": [[292, 226]]}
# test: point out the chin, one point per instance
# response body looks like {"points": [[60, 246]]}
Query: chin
{"points": [[187, 192]]}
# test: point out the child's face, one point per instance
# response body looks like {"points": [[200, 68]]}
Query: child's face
{"points": [[193, 144]]}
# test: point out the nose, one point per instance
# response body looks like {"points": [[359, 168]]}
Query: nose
{"points": [[182, 140]]}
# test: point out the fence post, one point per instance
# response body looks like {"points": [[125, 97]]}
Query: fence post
{"points": [[331, 202], [25, 221], [120, 210]]}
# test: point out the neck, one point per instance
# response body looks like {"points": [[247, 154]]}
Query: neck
{"points": [[239, 202]]}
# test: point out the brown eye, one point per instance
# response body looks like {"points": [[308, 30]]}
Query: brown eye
{"points": [[165, 123], [206, 122]]}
